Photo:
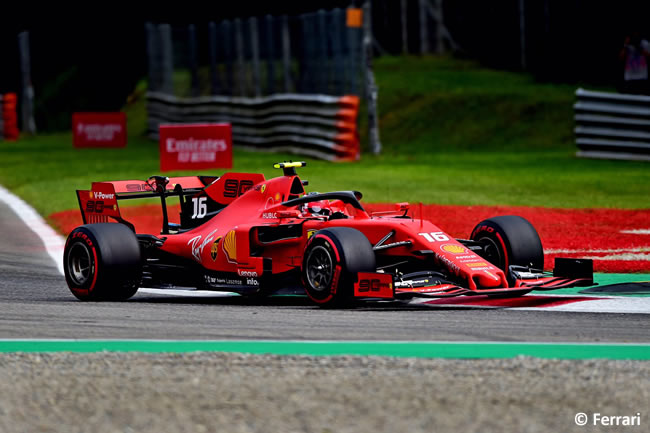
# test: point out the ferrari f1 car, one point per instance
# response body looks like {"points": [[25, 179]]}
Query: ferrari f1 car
{"points": [[243, 233]]}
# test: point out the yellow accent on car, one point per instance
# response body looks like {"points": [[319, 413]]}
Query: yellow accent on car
{"points": [[289, 164], [230, 246], [214, 250], [454, 249]]}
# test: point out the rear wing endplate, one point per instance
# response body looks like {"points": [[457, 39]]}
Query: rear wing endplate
{"points": [[99, 203]]}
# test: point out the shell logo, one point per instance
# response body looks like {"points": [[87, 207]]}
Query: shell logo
{"points": [[114, 207], [454, 249], [229, 245], [92, 196]]}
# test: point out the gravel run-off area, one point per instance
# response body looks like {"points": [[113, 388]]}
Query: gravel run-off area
{"points": [[219, 392]]}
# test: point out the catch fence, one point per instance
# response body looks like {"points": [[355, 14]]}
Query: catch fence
{"points": [[284, 83]]}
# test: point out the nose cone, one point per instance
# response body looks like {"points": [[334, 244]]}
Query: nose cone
{"points": [[487, 279]]}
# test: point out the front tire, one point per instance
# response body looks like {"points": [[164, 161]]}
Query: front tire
{"points": [[332, 259], [102, 262], [509, 240]]}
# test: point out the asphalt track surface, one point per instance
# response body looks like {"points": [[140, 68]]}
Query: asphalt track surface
{"points": [[36, 303]]}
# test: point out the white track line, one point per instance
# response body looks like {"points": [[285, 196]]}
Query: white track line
{"points": [[610, 304], [595, 251], [636, 232], [621, 257], [630, 305], [191, 293], [54, 243]]}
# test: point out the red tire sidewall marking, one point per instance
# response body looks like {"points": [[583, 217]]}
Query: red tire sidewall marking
{"points": [[505, 250], [332, 244], [92, 285], [337, 269], [83, 237], [485, 232], [333, 287]]}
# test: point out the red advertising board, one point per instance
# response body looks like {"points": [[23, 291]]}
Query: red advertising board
{"points": [[99, 129], [195, 146]]}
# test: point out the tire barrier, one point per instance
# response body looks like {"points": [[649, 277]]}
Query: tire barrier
{"points": [[9, 117], [319, 126], [612, 125]]}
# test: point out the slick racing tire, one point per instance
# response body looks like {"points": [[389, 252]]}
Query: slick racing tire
{"points": [[102, 262], [509, 240], [331, 261]]}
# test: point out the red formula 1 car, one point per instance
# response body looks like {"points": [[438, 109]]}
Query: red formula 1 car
{"points": [[245, 234]]}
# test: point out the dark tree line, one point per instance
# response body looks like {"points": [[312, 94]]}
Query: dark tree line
{"points": [[83, 62]]}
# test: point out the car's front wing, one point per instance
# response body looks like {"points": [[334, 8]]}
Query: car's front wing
{"points": [[567, 273]]}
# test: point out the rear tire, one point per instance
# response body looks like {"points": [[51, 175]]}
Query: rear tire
{"points": [[331, 261], [102, 262], [509, 240]]}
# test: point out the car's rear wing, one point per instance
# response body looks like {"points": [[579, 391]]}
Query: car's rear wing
{"points": [[99, 204]]}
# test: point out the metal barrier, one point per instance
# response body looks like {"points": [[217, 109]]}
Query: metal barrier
{"points": [[612, 125], [319, 126]]}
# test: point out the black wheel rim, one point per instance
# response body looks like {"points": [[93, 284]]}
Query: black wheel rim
{"points": [[79, 264], [319, 268], [492, 252]]}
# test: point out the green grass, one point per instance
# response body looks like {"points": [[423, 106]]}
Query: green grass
{"points": [[447, 106], [452, 133]]}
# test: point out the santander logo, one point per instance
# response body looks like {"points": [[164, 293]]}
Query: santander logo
{"points": [[99, 132]]}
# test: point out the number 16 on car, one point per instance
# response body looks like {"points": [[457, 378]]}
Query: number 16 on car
{"points": [[434, 236]]}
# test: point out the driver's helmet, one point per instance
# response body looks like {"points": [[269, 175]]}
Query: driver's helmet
{"points": [[317, 208]]}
